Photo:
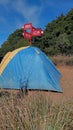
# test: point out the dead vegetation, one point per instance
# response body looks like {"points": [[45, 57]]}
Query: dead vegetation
{"points": [[34, 113], [62, 60]]}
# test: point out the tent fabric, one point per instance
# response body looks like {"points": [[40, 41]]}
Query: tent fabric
{"points": [[29, 68], [8, 57]]}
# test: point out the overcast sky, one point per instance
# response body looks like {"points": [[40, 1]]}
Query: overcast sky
{"points": [[15, 13]]}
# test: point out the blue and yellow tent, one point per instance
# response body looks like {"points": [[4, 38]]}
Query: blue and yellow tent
{"points": [[28, 67]]}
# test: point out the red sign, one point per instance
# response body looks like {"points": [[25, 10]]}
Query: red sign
{"points": [[27, 35], [36, 32], [32, 31], [27, 26]]}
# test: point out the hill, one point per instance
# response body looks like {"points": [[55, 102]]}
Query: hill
{"points": [[57, 37]]}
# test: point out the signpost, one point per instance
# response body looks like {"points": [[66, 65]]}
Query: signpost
{"points": [[30, 31]]}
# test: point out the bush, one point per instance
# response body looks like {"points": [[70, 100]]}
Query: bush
{"points": [[70, 62], [51, 51]]}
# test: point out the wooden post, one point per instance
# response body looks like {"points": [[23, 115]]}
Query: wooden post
{"points": [[30, 42]]}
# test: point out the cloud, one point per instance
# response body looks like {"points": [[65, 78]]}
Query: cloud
{"points": [[4, 2], [30, 13]]}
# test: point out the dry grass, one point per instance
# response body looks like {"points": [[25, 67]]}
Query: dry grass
{"points": [[36, 112], [62, 60]]}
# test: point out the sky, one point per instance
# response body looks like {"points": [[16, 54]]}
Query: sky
{"points": [[15, 13]]}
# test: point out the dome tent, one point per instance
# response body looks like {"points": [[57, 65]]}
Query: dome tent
{"points": [[28, 67]]}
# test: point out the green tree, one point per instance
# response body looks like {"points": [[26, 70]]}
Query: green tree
{"points": [[63, 43]]}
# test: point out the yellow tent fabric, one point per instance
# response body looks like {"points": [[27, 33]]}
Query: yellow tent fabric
{"points": [[8, 57]]}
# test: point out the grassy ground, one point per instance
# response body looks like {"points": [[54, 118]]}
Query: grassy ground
{"points": [[19, 112]]}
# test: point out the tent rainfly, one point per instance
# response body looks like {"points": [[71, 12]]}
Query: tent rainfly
{"points": [[29, 68]]}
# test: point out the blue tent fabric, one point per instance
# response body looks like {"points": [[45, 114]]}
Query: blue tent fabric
{"points": [[30, 68]]}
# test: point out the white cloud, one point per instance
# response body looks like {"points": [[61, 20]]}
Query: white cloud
{"points": [[4, 2], [30, 13]]}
